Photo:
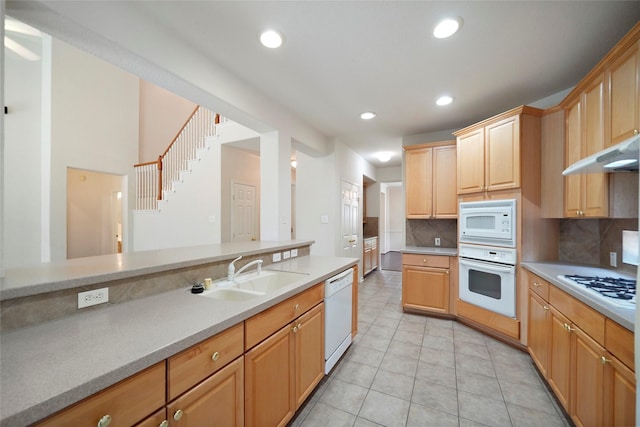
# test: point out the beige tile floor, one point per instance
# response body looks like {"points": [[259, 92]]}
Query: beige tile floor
{"points": [[411, 370]]}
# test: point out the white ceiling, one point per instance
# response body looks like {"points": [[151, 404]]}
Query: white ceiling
{"points": [[342, 58]]}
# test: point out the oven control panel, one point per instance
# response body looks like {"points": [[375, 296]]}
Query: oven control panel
{"points": [[488, 253]]}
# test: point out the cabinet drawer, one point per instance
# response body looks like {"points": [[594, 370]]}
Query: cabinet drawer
{"points": [[539, 286], [619, 342], [127, 402], [189, 367], [580, 314], [437, 261], [266, 323]]}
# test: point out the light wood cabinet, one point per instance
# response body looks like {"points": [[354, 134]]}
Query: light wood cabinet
{"points": [[217, 400], [430, 180], [125, 403], [623, 76], [370, 255], [282, 370], [538, 331], [490, 153], [425, 283], [586, 195], [580, 348]]}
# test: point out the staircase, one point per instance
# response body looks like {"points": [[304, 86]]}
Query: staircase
{"points": [[154, 180]]}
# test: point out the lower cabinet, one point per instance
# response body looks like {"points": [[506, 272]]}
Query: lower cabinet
{"points": [[370, 255], [425, 283], [219, 397], [123, 404], [574, 350], [282, 370]]}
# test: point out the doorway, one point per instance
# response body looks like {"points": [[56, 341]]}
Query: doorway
{"points": [[94, 213], [243, 212], [391, 226]]}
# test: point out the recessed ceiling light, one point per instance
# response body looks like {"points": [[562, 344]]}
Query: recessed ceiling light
{"points": [[447, 27], [368, 115], [384, 156], [271, 39], [444, 100]]}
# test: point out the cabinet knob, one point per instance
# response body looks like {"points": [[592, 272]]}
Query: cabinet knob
{"points": [[178, 415], [546, 307], [215, 356], [635, 131], [536, 284], [104, 421], [295, 329], [296, 307], [164, 423], [568, 328], [604, 360]]}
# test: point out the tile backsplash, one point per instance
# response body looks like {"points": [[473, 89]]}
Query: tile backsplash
{"points": [[589, 241], [422, 232]]}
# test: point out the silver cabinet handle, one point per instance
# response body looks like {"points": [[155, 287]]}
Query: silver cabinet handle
{"points": [[215, 356], [104, 421], [178, 415]]}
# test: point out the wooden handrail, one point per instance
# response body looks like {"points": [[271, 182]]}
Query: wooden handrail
{"points": [[145, 164], [175, 138]]}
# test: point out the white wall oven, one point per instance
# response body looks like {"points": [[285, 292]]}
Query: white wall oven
{"points": [[490, 222], [488, 255], [488, 278]]}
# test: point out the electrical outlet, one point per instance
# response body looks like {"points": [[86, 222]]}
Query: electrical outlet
{"points": [[294, 253], [94, 297], [437, 242], [276, 257], [286, 254], [613, 259]]}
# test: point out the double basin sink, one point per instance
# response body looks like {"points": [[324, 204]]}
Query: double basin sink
{"points": [[250, 285]]}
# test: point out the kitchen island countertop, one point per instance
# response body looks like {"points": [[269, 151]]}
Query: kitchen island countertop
{"points": [[550, 271], [47, 367]]}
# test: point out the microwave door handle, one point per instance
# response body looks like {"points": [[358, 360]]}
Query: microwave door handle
{"points": [[488, 266]]}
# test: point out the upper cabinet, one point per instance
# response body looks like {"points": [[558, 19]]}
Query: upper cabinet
{"points": [[430, 180], [586, 195], [489, 153], [623, 76]]}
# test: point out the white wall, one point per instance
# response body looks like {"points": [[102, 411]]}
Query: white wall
{"points": [[22, 159], [162, 115], [94, 126], [242, 167]]}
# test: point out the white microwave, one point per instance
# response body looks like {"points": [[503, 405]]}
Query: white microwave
{"points": [[491, 222]]}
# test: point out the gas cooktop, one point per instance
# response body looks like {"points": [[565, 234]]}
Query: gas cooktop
{"points": [[616, 290]]}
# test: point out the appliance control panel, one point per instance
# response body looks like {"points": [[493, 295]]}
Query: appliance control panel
{"points": [[488, 253]]}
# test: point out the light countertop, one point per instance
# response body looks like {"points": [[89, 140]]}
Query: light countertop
{"points": [[551, 270], [67, 274], [430, 250], [50, 366]]}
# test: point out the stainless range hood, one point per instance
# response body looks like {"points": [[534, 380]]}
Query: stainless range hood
{"points": [[622, 157]]}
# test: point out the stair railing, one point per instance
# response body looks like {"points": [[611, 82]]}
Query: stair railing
{"points": [[156, 177]]}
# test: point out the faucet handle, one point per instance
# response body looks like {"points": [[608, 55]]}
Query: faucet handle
{"points": [[231, 270]]}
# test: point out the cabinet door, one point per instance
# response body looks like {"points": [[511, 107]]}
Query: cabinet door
{"points": [[269, 388], [502, 155], [539, 328], [624, 111], [445, 200], [309, 352], [470, 154], [587, 380], [558, 371], [418, 185], [573, 152], [596, 191], [425, 288], [619, 394], [217, 400], [374, 255]]}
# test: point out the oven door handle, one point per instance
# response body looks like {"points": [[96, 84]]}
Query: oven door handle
{"points": [[490, 266]]}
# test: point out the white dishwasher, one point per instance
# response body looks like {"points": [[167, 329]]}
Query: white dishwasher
{"points": [[337, 317]]}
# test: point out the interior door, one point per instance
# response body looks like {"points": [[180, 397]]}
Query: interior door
{"points": [[243, 212], [350, 206]]}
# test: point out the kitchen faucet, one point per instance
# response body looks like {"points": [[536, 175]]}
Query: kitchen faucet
{"points": [[231, 270]]}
